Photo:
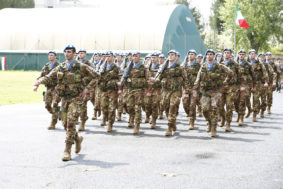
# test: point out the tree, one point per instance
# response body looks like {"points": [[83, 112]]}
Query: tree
{"points": [[196, 14], [16, 4], [264, 18], [214, 20]]}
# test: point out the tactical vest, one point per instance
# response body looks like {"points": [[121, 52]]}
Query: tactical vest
{"points": [[191, 73], [211, 79], [245, 74], [152, 73], [87, 80], [136, 78], [109, 79], [69, 81], [258, 72], [232, 66], [172, 79], [269, 74]]}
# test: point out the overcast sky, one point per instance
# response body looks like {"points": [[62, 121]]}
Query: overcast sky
{"points": [[202, 5]]}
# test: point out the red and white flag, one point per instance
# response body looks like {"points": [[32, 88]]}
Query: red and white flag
{"points": [[3, 62], [240, 20]]}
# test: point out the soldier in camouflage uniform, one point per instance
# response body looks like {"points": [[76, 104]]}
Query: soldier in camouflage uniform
{"points": [[70, 88], [153, 93], [246, 80], [119, 64], [277, 71], [161, 60], [230, 91], [199, 60], [172, 81], [191, 68], [136, 83], [95, 62], [107, 85], [261, 82], [50, 97], [86, 80], [209, 83], [271, 83]]}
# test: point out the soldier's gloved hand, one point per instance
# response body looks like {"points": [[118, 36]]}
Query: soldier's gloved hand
{"points": [[265, 85], [84, 93], [242, 89]]}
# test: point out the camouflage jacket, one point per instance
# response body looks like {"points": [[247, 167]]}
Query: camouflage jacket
{"points": [[212, 80], [47, 68], [152, 71], [172, 78], [137, 77], [270, 73], [190, 72], [246, 73], [86, 80], [109, 78], [70, 81], [234, 67], [260, 73], [276, 69]]}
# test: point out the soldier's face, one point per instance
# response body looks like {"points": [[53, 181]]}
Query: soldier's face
{"points": [[69, 54], [119, 58], [199, 59], [154, 59], [172, 57], [261, 58], [110, 58], [161, 60], [96, 58], [227, 55], [103, 57], [242, 56], [210, 56], [51, 57], [130, 57], [268, 57], [192, 56], [137, 58], [82, 55], [252, 55]]}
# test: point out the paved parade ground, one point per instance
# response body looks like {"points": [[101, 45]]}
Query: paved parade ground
{"points": [[248, 157]]}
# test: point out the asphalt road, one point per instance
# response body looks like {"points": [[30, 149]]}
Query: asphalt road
{"points": [[248, 157]]}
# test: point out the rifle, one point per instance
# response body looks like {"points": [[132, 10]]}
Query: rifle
{"points": [[59, 113], [43, 94], [102, 67], [127, 71], [185, 62], [162, 68]]}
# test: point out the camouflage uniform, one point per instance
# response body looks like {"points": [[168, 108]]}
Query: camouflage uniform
{"points": [[70, 85], [189, 103], [93, 95], [229, 94], [107, 85], [136, 82], [154, 89], [121, 101], [50, 97], [261, 77], [246, 80], [209, 82], [171, 82], [83, 112], [269, 90]]}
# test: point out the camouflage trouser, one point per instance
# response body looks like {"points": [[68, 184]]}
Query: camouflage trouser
{"points": [[269, 94], [259, 93], [92, 98], [242, 100], [189, 104], [109, 103], [125, 97], [248, 98], [171, 101], [209, 105], [51, 102], [83, 112], [97, 105], [151, 103], [135, 100], [70, 113], [228, 98]]}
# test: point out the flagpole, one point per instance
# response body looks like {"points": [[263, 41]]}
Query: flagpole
{"points": [[235, 27]]}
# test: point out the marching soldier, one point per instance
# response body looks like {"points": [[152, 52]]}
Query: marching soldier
{"points": [[120, 65], [230, 91], [95, 60], [261, 82], [135, 77], [70, 88], [161, 60], [199, 58], [152, 98], [191, 68], [51, 99], [209, 83]]}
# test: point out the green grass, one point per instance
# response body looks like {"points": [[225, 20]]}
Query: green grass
{"points": [[16, 87]]}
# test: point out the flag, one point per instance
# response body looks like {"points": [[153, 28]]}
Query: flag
{"points": [[3, 62], [240, 20]]}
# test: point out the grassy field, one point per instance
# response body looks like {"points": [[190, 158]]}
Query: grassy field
{"points": [[16, 87]]}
